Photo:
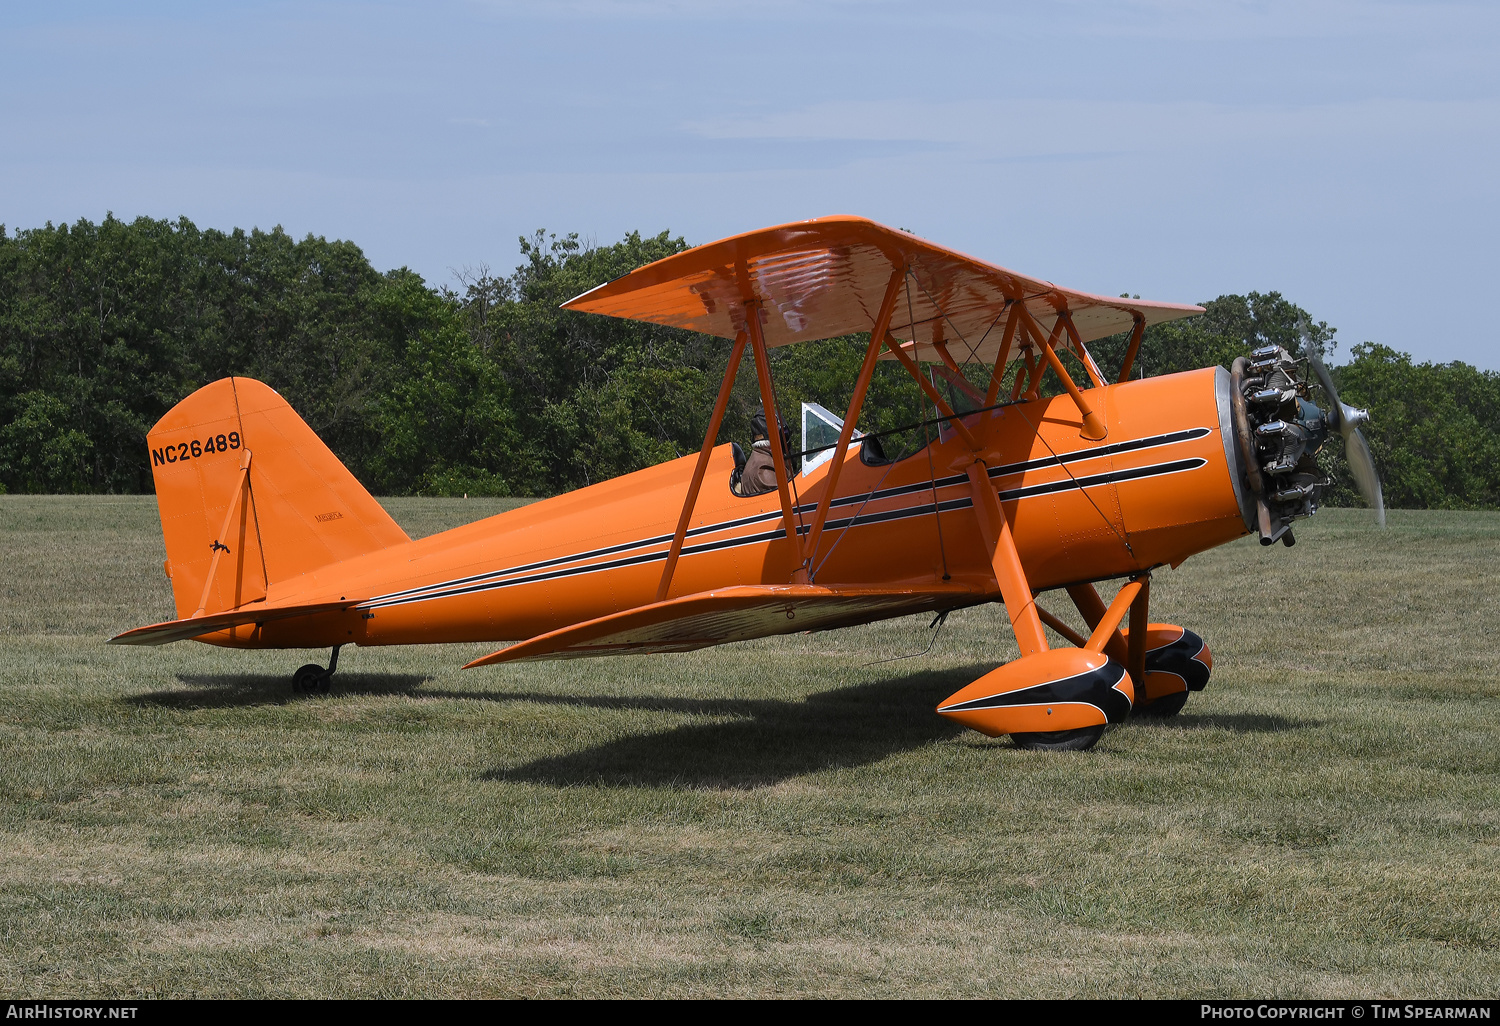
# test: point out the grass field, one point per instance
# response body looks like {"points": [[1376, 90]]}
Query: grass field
{"points": [[772, 818]]}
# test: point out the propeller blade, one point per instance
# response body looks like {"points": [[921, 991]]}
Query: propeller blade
{"points": [[1362, 465], [1346, 420], [1336, 408]]}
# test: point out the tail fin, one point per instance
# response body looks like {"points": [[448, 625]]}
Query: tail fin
{"points": [[290, 505]]}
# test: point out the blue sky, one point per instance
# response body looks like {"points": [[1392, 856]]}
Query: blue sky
{"points": [[1344, 154]]}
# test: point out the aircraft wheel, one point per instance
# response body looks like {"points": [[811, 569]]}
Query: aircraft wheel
{"points": [[310, 679], [1164, 707], [1079, 740]]}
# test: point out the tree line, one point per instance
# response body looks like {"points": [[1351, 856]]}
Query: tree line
{"points": [[488, 388]]}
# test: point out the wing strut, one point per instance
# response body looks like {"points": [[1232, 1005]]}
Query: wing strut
{"points": [[932, 393], [1093, 426], [730, 372], [1003, 355], [951, 372], [1133, 349], [1084, 356], [773, 428], [1006, 563], [856, 401]]}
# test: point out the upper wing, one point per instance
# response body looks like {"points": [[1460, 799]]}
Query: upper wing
{"points": [[825, 277], [730, 614]]}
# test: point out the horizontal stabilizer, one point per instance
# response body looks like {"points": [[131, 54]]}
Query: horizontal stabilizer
{"points": [[730, 614], [180, 630]]}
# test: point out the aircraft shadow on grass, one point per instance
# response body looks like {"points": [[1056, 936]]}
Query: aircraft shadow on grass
{"points": [[229, 690], [1238, 723], [767, 741], [771, 741]]}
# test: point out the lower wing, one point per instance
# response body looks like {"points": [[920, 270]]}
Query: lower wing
{"points": [[730, 614]]}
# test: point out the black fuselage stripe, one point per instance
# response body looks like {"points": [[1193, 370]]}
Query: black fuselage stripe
{"points": [[886, 493], [1007, 470], [473, 585], [656, 557], [1101, 451], [1112, 477]]}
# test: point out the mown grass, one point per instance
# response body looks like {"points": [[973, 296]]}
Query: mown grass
{"points": [[774, 818]]}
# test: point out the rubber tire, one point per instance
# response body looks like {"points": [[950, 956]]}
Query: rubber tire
{"points": [[1079, 740], [309, 679], [1165, 707]]}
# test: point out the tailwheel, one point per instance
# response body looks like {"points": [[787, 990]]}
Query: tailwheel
{"points": [[313, 679], [1078, 740], [310, 679]]}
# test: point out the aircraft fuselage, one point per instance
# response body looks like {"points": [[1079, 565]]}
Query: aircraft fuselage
{"points": [[1164, 483]]}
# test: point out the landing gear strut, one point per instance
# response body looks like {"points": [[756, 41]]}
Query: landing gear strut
{"points": [[313, 679]]}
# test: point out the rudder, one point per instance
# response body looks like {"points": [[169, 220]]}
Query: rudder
{"points": [[298, 509]]}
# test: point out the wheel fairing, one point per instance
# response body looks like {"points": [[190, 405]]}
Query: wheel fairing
{"points": [[1063, 689]]}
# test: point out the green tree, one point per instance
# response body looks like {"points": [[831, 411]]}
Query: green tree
{"points": [[1230, 326], [592, 397], [444, 426], [103, 327], [1434, 430], [39, 449], [119, 321]]}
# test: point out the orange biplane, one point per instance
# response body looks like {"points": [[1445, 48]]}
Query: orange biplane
{"points": [[272, 543]]}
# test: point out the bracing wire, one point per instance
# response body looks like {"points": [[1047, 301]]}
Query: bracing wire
{"points": [[786, 457], [938, 622], [852, 520], [973, 349], [937, 512], [814, 571], [939, 419], [1037, 432]]}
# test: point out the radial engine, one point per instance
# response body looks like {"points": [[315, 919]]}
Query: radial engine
{"points": [[1280, 433]]}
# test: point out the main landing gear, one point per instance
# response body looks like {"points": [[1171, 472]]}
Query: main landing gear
{"points": [[1061, 699], [313, 679]]}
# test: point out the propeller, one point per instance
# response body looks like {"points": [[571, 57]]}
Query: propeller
{"points": [[1346, 421]]}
